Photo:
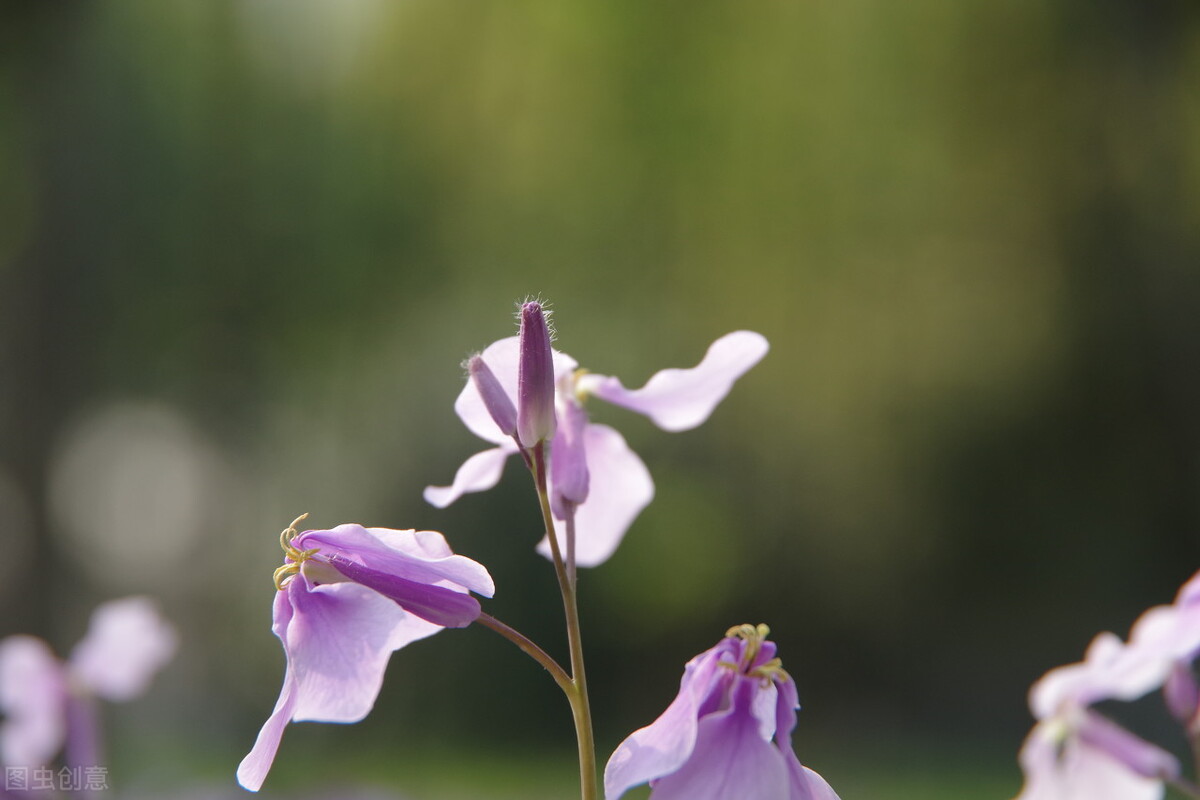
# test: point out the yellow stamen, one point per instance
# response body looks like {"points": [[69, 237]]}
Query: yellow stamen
{"points": [[581, 396], [295, 557]]}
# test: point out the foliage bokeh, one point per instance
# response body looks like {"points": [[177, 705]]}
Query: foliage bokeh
{"points": [[244, 247]]}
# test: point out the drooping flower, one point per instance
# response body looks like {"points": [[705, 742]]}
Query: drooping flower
{"points": [[1076, 753], [592, 471], [726, 736], [347, 598], [45, 700]]}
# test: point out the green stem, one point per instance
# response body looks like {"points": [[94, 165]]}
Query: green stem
{"points": [[531, 649], [577, 694]]}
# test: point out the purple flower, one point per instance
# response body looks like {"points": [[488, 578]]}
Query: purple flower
{"points": [[726, 736], [1074, 752], [42, 697], [592, 471], [349, 597]]}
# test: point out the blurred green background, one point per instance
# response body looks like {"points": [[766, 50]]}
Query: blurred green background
{"points": [[244, 247]]}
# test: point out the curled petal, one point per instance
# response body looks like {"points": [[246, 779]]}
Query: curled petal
{"points": [[619, 488], [478, 473], [126, 643], [33, 694], [680, 399]]}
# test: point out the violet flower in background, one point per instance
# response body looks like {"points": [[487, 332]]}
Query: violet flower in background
{"points": [[1076, 753], [347, 598], [726, 736], [592, 471], [47, 702]]}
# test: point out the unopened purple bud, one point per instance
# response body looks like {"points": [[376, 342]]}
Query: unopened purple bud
{"points": [[495, 399], [535, 378], [568, 462], [1182, 693]]}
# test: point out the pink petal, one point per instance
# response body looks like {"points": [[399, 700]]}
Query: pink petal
{"points": [[618, 489], [478, 473], [33, 695], [127, 642], [679, 399]]}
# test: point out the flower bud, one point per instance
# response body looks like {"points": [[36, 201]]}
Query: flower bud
{"points": [[535, 378], [495, 399], [1182, 693], [568, 460]]}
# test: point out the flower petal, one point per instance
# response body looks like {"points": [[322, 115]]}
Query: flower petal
{"points": [[679, 399], [478, 473], [254, 767], [730, 761], [619, 488], [664, 745], [806, 784], [338, 643], [33, 695], [421, 556], [1075, 770], [126, 643]]}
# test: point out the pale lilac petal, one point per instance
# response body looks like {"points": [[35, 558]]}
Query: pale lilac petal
{"points": [[127, 642], [503, 359], [254, 767], [664, 745], [679, 399], [338, 643], [33, 694], [1190, 592], [478, 473], [1075, 770], [619, 488], [730, 760], [403, 554], [806, 784], [1078, 684]]}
